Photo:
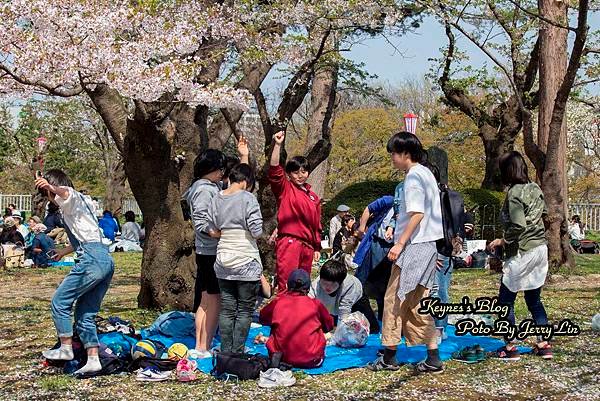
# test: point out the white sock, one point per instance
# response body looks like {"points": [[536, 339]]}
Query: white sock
{"points": [[64, 353], [92, 365]]}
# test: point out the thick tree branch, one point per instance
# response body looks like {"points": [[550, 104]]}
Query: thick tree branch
{"points": [[111, 108], [52, 90]]}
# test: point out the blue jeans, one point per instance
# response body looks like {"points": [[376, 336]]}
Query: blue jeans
{"points": [[532, 299], [440, 288], [85, 287]]}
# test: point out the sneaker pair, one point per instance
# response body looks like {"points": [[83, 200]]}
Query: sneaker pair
{"points": [[152, 374], [545, 352], [186, 370], [470, 354], [274, 377]]}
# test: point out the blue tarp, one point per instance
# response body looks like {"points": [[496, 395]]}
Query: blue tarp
{"points": [[342, 358]]}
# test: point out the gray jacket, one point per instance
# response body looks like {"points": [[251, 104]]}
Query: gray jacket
{"points": [[199, 197], [346, 296]]}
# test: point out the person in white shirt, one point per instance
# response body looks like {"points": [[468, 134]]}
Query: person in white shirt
{"points": [[84, 287], [335, 225], [131, 234], [418, 225], [576, 231]]}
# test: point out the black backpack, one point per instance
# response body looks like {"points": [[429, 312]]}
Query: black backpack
{"points": [[453, 218], [240, 366]]}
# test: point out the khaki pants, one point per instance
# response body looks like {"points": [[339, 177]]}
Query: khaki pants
{"points": [[400, 318]]}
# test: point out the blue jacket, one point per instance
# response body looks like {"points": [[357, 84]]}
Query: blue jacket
{"points": [[378, 209], [109, 226]]}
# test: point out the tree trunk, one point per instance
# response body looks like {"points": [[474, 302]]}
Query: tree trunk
{"points": [[320, 122], [553, 178], [115, 186], [495, 144], [157, 182]]}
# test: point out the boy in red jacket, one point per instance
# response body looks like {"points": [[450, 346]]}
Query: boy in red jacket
{"points": [[298, 324], [298, 216]]}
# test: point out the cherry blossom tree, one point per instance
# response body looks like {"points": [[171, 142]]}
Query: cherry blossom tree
{"points": [[155, 70]]}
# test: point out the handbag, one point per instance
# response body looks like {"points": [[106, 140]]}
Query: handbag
{"points": [[239, 365], [13, 255]]}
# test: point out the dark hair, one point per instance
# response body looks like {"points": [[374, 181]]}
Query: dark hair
{"points": [[232, 161], [53, 208], [129, 216], [208, 161], [242, 172], [58, 178], [346, 219], [12, 206], [107, 211], [405, 142], [7, 211], [333, 270], [297, 163], [434, 170], [513, 169]]}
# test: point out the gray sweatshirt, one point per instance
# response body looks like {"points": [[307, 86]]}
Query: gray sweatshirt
{"points": [[236, 211], [199, 197], [344, 299]]}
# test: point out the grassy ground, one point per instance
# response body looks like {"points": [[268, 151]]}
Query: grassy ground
{"points": [[574, 373]]}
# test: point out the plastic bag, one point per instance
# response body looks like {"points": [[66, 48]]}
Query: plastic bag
{"points": [[352, 331]]}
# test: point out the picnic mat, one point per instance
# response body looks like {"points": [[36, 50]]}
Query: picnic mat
{"points": [[337, 358]]}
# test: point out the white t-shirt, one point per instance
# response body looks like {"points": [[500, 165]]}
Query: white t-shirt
{"points": [[79, 217], [420, 195], [131, 232]]}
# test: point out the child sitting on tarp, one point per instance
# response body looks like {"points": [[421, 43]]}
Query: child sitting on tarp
{"points": [[342, 293], [298, 324]]}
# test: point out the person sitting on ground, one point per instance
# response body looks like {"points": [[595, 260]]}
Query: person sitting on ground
{"points": [[22, 228], [342, 293], [10, 234], [298, 324], [43, 247], [31, 222], [130, 236], [336, 222], [108, 225], [576, 230], [55, 227]]}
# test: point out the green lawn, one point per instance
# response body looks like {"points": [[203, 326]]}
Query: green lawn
{"points": [[26, 330]]}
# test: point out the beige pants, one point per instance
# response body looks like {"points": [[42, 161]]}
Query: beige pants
{"points": [[400, 318]]}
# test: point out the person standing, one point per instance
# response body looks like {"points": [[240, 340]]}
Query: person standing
{"points": [[526, 252], [298, 215], [335, 225]]}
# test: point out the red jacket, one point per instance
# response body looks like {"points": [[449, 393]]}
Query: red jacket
{"points": [[298, 326], [299, 209]]}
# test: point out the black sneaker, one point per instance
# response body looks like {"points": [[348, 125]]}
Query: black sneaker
{"points": [[379, 364], [544, 352], [424, 367], [508, 355]]}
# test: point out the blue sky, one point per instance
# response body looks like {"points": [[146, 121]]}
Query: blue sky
{"points": [[416, 49]]}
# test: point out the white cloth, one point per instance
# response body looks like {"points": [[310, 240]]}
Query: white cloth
{"points": [[420, 195], [237, 249], [131, 231], [335, 225], [384, 225], [126, 246], [575, 232], [79, 217], [526, 271], [24, 230]]}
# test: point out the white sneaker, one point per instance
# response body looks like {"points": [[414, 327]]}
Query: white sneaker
{"points": [[151, 374], [59, 354], [276, 378]]}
